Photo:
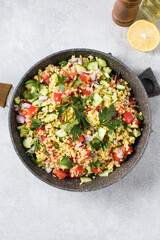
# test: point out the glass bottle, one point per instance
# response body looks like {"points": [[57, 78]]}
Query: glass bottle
{"points": [[151, 10]]}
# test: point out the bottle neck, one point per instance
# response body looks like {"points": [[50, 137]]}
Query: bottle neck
{"points": [[130, 3]]}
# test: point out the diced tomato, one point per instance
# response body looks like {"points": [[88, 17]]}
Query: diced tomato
{"points": [[70, 140], [40, 129], [96, 170], [137, 122], [64, 73], [127, 152], [87, 152], [81, 138], [128, 117], [57, 97], [62, 118], [43, 137], [112, 82], [28, 121], [116, 158], [99, 108], [84, 78], [31, 111], [73, 72], [120, 108], [76, 171], [45, 78], [23, 113], [132, 101], [86, 93], [88, 109], [59, 173]]}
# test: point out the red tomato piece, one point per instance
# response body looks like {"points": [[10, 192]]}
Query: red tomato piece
{"points": [[116, 158], [57, 97], [64, 73], [45, 78], [81, 138], [87, 152], [99, 108], [73, 72], [84, 78], [28, 121], [127, 152], [23, 113], [88, 109], [40, 129], [43, 137], [137, 122], [86, 93], [112, 82], [132, 101], [31, 111], [59, 173], [128, 117], [96, 170], [76, 171]]}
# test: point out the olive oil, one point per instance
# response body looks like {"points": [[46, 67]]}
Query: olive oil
{"points": [[151, 10]]}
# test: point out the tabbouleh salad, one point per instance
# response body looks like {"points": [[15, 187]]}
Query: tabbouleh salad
{"points": [[78, 119]]}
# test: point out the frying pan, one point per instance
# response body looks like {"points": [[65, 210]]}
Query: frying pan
{"points": [[138, 92]]}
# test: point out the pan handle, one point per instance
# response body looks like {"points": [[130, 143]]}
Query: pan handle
{"points": [[149, 82]]}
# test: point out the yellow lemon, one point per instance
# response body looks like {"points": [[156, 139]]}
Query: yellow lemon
{"points": [[143, 35]]}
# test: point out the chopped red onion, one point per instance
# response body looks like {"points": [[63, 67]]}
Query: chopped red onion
{"points": [[16, 108], [31, 149], [87, 72], [70, 67], [26, 105], [73, 60], [80, 61], [20, 119], [43, 98], [120, 153], [80, 145], [94, 76], [48, 169], [88, 138], [116, 79]]}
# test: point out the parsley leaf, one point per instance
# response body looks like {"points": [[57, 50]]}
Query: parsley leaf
{"points": [[55, 145], [106, 114], [96, 164], [36, 143], [63, 63], [96, 143], [62, 110], [79, 81], [61, 80], [36, 123], [125, 125], [32, 157], [67, 162], [46, 152], [113, 124], [81, 118], [106, 144], [76, 132]]}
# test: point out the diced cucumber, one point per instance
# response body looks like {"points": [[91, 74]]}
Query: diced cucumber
{"points": [[96, 99], [50, 117], [107, 75], [140, 117], [17, 100], [107, 70], [104, 83], [44, 90], [121, 87], [99, 86], [30, 84], [33, 94], [23, 130], [107, 98], [101, 133], [111, 135], [68, 126], [80, 68], [104, 173], [102, 62], [136, 133], [61, 133], [85, 180], [92, 65], [27, 143], [36, 103]]}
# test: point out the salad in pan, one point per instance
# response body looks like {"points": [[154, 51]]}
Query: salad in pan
{"points": [[78, 119]]}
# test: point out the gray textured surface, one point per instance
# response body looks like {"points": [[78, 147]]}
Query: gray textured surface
{"points": [[30, 209]]}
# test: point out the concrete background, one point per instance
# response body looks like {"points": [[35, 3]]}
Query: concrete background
{"points": [[29, 208]]}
